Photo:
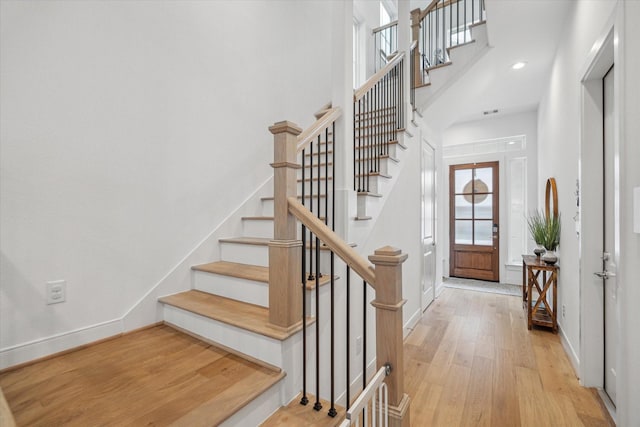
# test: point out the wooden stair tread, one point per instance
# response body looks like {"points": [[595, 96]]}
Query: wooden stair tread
{"points": [[392, 142], [435, 67], [381, 156], [250, 272], [264, 241], [369, 194], [315, 178], [257, 218], [258, 241], [306, 196], [155, 376], [233, 269], [380, 174], [240, 314], [270, 218], [296, 415]]}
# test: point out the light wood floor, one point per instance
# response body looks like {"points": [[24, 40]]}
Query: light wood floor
{"points": [[471, 361], [157, 376]]}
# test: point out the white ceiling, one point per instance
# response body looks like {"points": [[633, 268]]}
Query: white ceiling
{"points": [[518, 30]]}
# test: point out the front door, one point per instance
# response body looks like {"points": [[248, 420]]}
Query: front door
{"points": [[428, 225], [473, 221], [609, 280]]}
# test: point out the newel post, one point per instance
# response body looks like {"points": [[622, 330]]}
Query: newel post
{"points": [[415, 35], [389, 330], [285, 291]]}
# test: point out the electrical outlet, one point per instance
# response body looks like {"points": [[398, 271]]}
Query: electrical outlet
{"points": [[359, 345], [56, 291], [564, 310]]}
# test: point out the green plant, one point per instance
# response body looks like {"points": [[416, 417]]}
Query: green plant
{"points": [[537, 227], [545, 231], [552, 233]]}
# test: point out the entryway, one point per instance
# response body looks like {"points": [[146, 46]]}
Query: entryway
{"points": [[474, 221]]}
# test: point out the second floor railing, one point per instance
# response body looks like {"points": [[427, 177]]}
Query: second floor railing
{"points": [[442, 25], [378, 115], [385, 41]]}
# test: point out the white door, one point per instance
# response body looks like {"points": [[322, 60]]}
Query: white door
{"points": [[609, 266], [428, 225]]}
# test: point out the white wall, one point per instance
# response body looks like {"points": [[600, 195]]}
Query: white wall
{"points": [[629, 393], [558, 150], [129, 131], [490, 128], [367, 13], [559, 127]]}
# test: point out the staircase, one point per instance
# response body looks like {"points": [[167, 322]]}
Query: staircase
{"points": [[451, 37], [229, 302]]}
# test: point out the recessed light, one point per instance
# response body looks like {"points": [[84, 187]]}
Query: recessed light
{"points": [[518, 65]]}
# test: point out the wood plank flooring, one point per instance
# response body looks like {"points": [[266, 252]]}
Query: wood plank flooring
{"points": [[297, 415], [157, 376], [471, 361]]}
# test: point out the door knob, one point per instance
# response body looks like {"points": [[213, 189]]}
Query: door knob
{"points": [[604, 274]]}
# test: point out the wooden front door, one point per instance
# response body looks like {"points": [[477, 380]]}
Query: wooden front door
{"points": [[473, 221]]}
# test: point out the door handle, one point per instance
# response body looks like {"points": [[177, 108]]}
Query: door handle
{"points": [[604, 274]]}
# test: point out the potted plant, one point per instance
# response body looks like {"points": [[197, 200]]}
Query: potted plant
{"points": [[537, 228], [551, 239]]}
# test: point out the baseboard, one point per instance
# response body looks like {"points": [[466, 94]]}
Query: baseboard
{"points": [[411, 323], [439, 288], [43, 347], [571, 353]]}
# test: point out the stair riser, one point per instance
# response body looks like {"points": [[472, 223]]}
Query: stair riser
{"points": [[386, 166], [257, 228], [267, 207], [258, 409], [264, 228], [393, 148], [245, 254], [232, 287], [249, 343], [377, 184], [259, 255], [322, 172]]}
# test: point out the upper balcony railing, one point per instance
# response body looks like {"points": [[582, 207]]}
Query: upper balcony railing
{"points": [[439, 27], [385, 41]]}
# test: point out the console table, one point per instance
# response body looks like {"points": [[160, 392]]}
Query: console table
{"points": [[539, 311]]}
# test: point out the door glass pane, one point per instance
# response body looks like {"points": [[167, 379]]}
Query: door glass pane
{"points": [[483, 233], [463, 207], [463, 232], [462, 177], [483, 206], [485, 177]]}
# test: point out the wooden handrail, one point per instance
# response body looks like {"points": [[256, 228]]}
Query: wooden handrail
{"points": [[312, 132], [384, 27], [377, 77], [333, 241], [434, 5], [414, 44]]}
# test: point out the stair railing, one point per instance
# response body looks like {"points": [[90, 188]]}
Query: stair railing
{"points": [[442, 25], [288, 269], [378, 115], [413, 54], [385, 42]]}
